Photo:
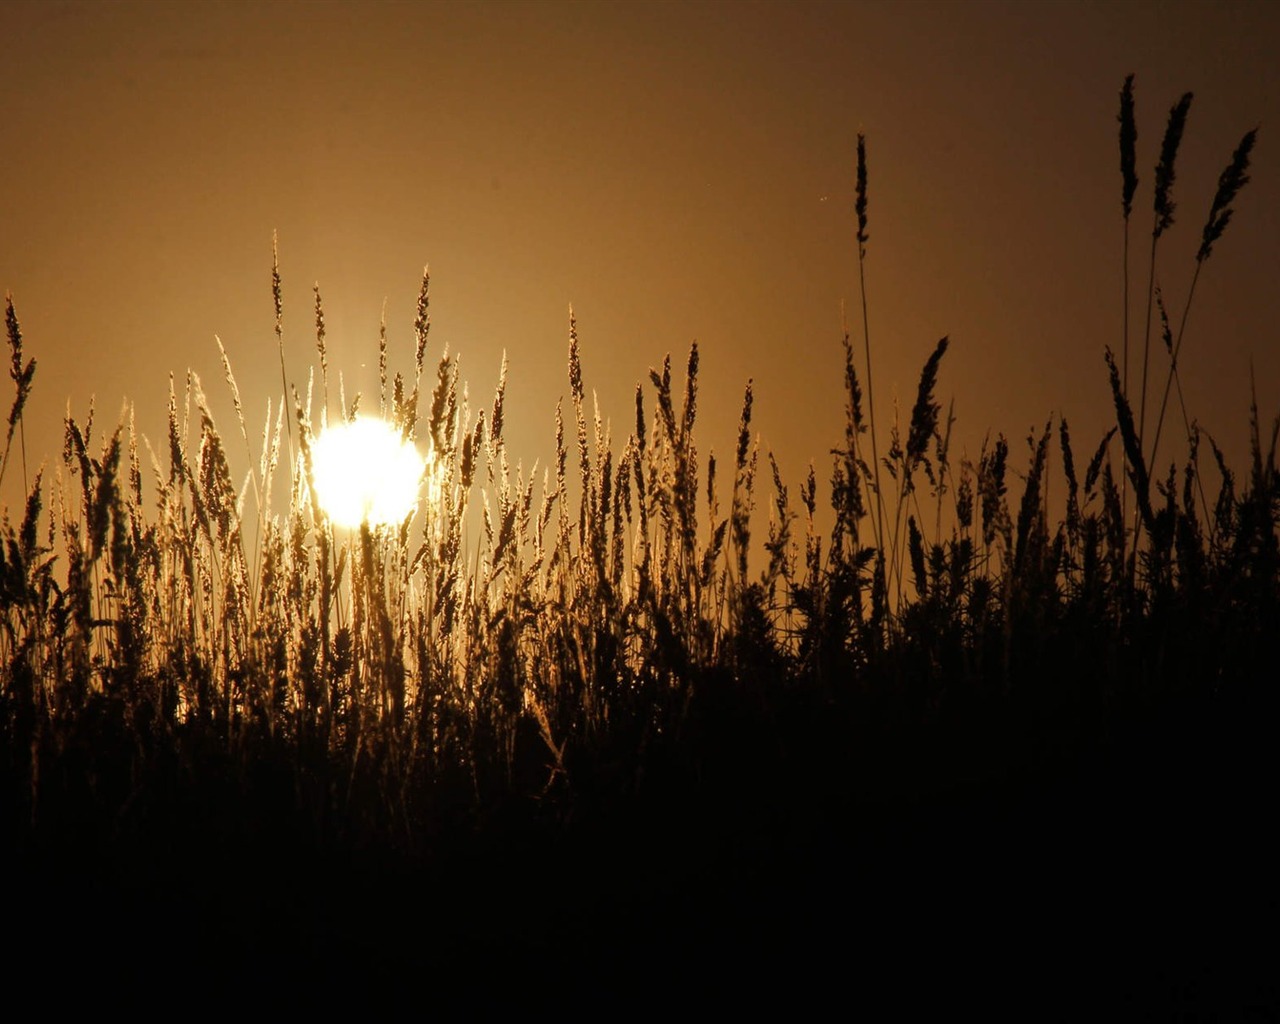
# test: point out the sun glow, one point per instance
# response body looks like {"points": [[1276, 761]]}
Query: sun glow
{"points": [[365, 472]]}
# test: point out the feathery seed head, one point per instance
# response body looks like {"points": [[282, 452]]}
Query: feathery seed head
{"points": [[1164, 204], [1166, 334], [422, 323], [924, 416], [640, 431], [860, 203], [1128, 142], [1234, 177], [744, 429], [575, 365], [495, 429], [275, 284], [691, 391]]}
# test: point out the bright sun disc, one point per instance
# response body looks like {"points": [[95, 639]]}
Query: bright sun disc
{"points": [[365, 472]]}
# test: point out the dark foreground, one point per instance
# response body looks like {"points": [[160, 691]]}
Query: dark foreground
{"points": [[1133, 878]]}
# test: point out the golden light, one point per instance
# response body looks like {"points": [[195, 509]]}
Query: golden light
{"points": [[365, 472]]}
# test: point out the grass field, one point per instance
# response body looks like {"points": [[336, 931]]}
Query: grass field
{"points": [[644, 726]]}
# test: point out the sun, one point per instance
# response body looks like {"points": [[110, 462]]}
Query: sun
{"points": [[365, 472]]}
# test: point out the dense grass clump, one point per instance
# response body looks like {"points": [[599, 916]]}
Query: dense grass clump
{"points": [[203, 685]]}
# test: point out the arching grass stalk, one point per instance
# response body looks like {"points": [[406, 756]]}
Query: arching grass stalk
{"points": [[1128, 162], [261, 500], [22, 377], [324, 357], [1233, 178], [1163, 219], [924, 425], [277, 300], [1162, 214], [860, 208]]}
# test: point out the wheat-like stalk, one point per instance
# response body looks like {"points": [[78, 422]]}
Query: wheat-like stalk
{"points": [[1163, 210]]}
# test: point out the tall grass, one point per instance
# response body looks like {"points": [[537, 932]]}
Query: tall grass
{"points": [[608, 627]]}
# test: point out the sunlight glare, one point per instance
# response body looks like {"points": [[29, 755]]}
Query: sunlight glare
{"points": [[365, 472]]}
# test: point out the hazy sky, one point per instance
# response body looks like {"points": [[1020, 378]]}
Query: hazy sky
{"points": [[676, 171]]}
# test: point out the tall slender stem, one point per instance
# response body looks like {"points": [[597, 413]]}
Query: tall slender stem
{"points": [[861, 208], [1124, 379]]}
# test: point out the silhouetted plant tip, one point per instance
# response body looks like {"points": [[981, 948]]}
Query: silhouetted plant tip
{"points": [[1132, 445], [860, 209], [1165, 169], [1164, 207], [382, 360], [324, 355], [1233, 178], [277, 301], [1166, 334], [860, 203], [422, 326], [1095, 463], [22, 375], [924, 414], [1069, 471], [1128, 146]]}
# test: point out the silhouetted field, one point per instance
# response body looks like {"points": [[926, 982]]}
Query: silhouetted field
{"points": [[942, 748]]}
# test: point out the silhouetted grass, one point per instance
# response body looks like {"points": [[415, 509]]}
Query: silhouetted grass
{"points": [[599, 717]]}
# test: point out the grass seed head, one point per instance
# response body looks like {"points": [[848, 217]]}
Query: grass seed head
{"points": [[1128, 143], [1234, 177], [1165, 169], [860, 202]]}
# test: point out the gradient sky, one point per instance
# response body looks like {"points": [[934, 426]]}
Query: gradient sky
{"points": [[676, 171]]}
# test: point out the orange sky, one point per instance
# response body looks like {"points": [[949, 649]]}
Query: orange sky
{"points": [[675, 171]]}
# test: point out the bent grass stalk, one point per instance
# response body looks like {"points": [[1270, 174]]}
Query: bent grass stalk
{"points": [[1129, 185], [862, 238], [1233, 178]]}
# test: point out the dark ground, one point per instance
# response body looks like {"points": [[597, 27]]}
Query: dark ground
{"points": [[1134, 879]]}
